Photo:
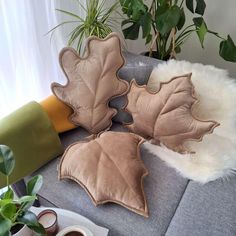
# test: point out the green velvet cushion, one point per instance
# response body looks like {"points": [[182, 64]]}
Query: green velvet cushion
{"points": [[32, 137]]}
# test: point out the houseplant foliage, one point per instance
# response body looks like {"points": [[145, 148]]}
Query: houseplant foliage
{"points": [[98, 21], [15, 213], [163, 26]]}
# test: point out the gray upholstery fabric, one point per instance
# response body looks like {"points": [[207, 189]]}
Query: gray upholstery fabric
{"points": [[177, 207], [206, 210], [163, 188], [137, 67]]}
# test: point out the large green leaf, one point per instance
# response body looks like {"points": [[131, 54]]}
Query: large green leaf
{"points": [[26, 202], [200, 8], [7, 161], [168, 20], [148, 39], [181, 20], [9, 194], [132, 31], [228, 50], [34, 185], [38, 229], [26, 199], [201, 28], [9, 210], [161, 9], [133, 8], [5, 225], [4, 202], [189, 5], [146, 23], [29, 218], [139, 16], [125, 7], [138, 9]]}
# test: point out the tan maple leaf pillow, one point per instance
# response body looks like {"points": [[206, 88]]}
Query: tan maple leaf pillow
{"points": [[92, 82], [109, 168], [166, 116]]}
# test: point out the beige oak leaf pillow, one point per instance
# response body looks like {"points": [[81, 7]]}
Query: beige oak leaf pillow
{"points": [[92, 82], [109, 168], [166, 116]]}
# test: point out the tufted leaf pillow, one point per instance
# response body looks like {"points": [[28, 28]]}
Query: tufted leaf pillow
{"points": [[92, 82], [166, 116], [109, 168], [215, 155]]}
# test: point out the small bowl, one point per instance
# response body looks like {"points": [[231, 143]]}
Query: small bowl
{"points": [[75, 230], [48, 219]]}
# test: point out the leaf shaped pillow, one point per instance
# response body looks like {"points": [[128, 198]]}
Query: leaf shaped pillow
{"points": [[166, 116], [109, 168], [92, 82]]}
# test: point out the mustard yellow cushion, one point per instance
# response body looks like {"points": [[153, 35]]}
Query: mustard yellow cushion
{"points": [[58, 112]]}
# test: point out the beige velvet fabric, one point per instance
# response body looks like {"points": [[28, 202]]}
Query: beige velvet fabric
{"points": [[109, 168], [92, 82], [166, 116]]}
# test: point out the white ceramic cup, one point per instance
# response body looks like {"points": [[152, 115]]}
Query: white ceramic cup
{"points": [[75, 228], [25, 231]]}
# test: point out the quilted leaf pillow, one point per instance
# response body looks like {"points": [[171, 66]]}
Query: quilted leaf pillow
{"points": [[215, 155], [109, 168], [166, 116], [92, 82]]}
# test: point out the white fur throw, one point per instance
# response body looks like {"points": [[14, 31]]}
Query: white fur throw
{"points": [[216, 154]]}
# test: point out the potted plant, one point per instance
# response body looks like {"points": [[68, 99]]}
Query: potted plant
{"points": [[15, 217], [97, 22], [163, 26]]}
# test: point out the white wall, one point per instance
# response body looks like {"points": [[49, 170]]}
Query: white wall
{"points": [[220, 16]]}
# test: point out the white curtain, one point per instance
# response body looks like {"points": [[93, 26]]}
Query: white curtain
{"points": [[28, 60]]}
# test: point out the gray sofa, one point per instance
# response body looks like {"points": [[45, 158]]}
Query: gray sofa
{"points": [[177, 206]]}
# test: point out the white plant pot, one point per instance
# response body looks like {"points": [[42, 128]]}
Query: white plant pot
{"points": [[25, 231]]}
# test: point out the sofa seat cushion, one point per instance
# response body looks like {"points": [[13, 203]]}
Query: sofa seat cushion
{"points": [[163, 188], [206, 210]]}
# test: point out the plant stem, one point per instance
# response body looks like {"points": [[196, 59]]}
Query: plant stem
{"points": [[185, 30], [152, 6], [173, 54], [152, 44], [216, 34], [8, 187], [181, 4]]}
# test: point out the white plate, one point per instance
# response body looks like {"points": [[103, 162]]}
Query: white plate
{"points": [[69, 218]]}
